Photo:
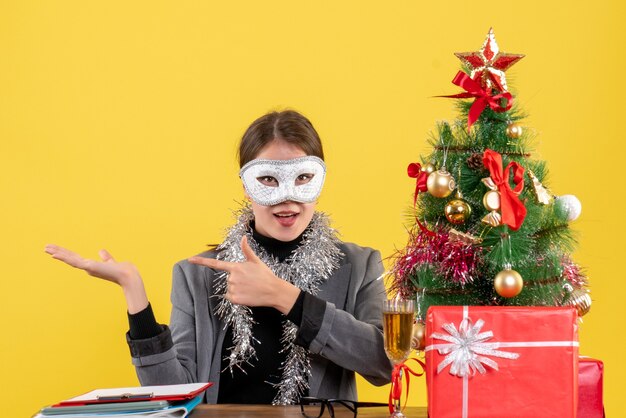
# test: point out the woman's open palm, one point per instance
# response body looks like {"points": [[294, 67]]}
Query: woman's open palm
{"points": [[123, 273], [108, 268]]}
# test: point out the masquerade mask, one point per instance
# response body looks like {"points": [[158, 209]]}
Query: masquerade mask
{"points": [[269, 182]]}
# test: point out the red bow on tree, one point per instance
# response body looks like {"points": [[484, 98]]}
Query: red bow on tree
{"points": [[512, 209], [414, 171], [396, 381], [483, 97]]}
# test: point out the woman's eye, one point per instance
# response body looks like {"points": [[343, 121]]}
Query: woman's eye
{"points": [[268, 181], [303, 179]]}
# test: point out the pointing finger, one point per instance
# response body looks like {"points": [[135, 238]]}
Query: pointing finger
{"points": [[212, 263]]}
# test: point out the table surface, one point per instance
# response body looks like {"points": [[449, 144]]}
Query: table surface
{"points": [[246, 411]]}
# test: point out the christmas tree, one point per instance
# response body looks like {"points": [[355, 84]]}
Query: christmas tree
{"points": [[486, 230]]}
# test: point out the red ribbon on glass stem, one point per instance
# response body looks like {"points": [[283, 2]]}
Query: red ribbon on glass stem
{"points": [[512, 209], [396, 381], [483, 97]]}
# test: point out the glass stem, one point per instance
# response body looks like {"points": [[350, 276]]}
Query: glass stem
{"points": [[397, 404]]}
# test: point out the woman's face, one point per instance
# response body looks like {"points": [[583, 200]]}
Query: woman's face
{"points": [[287, 220]]}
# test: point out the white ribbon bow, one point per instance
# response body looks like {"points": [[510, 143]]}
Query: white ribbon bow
{"points": [[467, 349]]}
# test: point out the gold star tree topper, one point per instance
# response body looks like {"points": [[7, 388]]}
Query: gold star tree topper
{"points": [[489, 64]]}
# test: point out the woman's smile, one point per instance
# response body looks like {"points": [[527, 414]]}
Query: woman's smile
{"points": [[286, 218]]}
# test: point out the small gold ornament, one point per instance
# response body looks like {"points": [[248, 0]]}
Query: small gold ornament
{"points": [[581, 300], [418, 342], [491, 200], [508, 283], [458, 236], [428, 168], [493, 218], [514, 131], [440, 183], [457, 211], [541, 193]]}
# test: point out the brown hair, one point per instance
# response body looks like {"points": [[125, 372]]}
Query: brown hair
{"points": [[288, 125]]}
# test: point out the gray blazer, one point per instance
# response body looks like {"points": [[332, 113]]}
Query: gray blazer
{"points": [[349, 340]]}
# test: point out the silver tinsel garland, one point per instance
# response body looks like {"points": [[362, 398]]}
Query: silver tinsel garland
{"points": [[307, 267]]}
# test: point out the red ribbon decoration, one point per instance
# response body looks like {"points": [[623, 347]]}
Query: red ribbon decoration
{"points": [[396, 381], [512, 209], [414, 170], [483, 97]]}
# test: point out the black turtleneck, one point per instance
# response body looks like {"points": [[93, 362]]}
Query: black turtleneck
{"points": [[279, 249], [256, 385]]}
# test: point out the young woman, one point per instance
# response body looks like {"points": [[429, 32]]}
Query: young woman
{"points": [[282, 308]]}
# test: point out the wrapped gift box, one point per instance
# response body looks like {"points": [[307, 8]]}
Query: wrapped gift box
{"points": [[484, 361], [590, 373]]}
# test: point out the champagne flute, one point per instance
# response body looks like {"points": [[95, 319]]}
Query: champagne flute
{"points": [[398, 317]]}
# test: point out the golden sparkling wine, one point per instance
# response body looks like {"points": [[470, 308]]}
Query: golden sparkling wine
{"points": [[398, 328]]}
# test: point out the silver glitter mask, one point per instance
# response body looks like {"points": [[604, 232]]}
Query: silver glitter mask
{"points": [[270, 182]]}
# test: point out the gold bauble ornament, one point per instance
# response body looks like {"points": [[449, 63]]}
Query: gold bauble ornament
{"points": [[418, 342], [440, 183], [581, 300], [508, 283], [513, 130], [428, 168], [457, 211], [491, 200]]}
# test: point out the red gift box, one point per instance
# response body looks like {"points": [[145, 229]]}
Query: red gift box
{"points": [[484, 361], [590, 404]]}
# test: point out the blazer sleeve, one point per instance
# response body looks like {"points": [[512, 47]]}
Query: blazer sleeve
{"points": [[169, 358], [353, 341]]}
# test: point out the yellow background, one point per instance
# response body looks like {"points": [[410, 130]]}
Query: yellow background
{"points": [[119, 122]]}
